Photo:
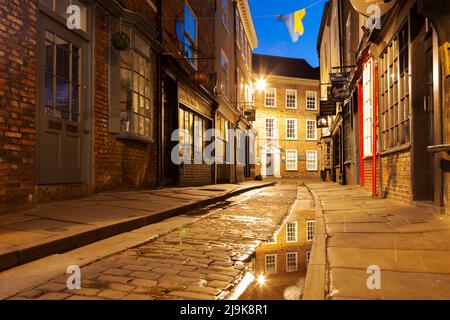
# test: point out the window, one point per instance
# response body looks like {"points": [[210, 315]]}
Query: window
{"points": [[271, 97], [291, 232], [291, 99], [368, 108], [272, 240], [225, 69], [310, 230], [308, 257], [270, 128], [225, 16], [60, 8], [311, 100], [136, 86], [291, 129], [291, 160], [291, 262], [311, 160], [327, 154], [347, 111], [62, 83], [190, 35], [394, 92], [270, 263], [311, 130], [238, 28], [192, 134]]}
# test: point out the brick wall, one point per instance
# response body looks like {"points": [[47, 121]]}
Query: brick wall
{"points": [[396, 176], [119, 164], [17, 102], [196, 175]]}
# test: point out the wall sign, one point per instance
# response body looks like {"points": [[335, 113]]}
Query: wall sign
{"points": [[327, 108]]}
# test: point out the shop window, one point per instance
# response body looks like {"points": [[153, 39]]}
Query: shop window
{"points": [[368, 108], [394, 92]]}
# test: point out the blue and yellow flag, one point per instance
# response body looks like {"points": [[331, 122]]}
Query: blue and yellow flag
{"points": [[294, 23]]}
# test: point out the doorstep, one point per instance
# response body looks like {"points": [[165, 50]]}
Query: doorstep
{"points": [[58, 227]]}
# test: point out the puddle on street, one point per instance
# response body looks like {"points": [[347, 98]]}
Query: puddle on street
{"points": [[280, 265]]}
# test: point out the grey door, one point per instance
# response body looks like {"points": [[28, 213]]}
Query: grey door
{"points": [[270, 165], [62, 103]]}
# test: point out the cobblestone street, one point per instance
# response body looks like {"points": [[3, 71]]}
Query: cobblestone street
{"points": [[202, 260]]}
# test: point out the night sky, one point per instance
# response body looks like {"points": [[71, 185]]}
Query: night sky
{"points": [[273, 36]]}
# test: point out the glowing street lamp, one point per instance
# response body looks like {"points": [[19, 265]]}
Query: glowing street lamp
{"points": [[261, 279], [261, 85]]}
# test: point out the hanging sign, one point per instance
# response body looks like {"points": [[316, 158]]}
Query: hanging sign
{"points": [[340, 87], [327, 108], [322, 122]]}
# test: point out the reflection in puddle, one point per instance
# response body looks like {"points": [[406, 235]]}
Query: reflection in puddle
{"points": [[279, 266]]}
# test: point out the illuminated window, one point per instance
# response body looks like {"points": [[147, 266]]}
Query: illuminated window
{"points": [[291, 160], [311, 130], [311, 160], [368, 108], [270, 263], [271, 128], [190, 35]]}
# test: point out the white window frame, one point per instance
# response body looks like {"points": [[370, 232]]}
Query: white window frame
{"points": [[308, 167], [288, 268], [308, 137], [291, 92], [275, 263], [315, 100], [295, 129], [295, 232], [368, 108], [310, 231], [274, 136], [266, 93], [296, 159], [272, 240]]}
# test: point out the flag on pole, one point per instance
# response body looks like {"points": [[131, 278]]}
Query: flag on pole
{"points": [[294, 23]]}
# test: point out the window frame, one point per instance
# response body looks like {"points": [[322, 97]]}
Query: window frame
{"points": [[275, 256], [295, 223], [224, 15], [194, 44], [296, 160], [315, 100], [295, 269], [308, 168], [310, 232], [295, 129], [223, 57], [274, 136], [274, 91], [308, 130], [289, 92], [368, 101]]}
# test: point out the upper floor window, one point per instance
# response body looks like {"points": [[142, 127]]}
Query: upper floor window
{"points": [[270, 263], [310, 230], [224, 15], [270, 97], [311, 100], [60, 8], [190, 35], [291, 129], [225, 71], [311, 130], [291, 99], [291, 232], [291, 262], [270, 128]]}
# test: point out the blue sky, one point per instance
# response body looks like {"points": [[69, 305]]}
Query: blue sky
{"points": [[273, 36]]}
